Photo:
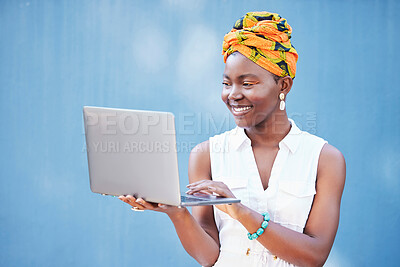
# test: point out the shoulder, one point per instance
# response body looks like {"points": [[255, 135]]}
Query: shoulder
{"points": [[200, 156], [308, 139], [221, 142], [307, 142], [199, 162], [331, 167], [201, 150], [331, 157]]}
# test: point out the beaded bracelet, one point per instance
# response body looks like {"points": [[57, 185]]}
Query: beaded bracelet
{"points": [[260, 230]]}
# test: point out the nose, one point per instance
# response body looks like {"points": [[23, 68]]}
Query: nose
{"points": [[235, 93]]}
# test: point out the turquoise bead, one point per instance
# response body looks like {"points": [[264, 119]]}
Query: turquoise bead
{"points": [[264, 224], [260, 231]]}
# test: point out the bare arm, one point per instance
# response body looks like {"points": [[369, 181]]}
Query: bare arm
{"points": [[198, 232], [312, 247]]}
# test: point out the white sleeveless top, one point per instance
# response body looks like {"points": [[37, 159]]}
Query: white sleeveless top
{"points": [[288, 198]]}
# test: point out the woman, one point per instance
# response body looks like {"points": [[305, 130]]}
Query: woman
{"points": [[289, 182]]}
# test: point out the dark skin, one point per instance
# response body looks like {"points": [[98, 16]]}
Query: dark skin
{"points": [[252, 95]]}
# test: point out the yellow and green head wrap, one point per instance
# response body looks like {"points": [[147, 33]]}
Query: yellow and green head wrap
{"points": [[264, 38]]}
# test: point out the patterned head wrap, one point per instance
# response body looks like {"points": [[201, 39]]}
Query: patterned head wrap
{"points": [[264, 38]]}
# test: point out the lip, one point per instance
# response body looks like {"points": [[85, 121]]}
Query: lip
{"points": [[240, 110]]}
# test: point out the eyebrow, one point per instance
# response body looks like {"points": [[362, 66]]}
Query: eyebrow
{"points": [[241, 77]]}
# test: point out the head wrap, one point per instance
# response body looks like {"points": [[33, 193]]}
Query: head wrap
{"points": [[264, 38]]}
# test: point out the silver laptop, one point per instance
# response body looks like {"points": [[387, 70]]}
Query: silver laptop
{"points": [[134, 152]]}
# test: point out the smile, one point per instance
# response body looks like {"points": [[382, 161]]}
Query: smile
{"points": [[238, 111]]}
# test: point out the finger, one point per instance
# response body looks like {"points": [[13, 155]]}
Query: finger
{"points": [[202, 186], [162, 207], [196, 190], [137, 209], [145, 204], [224, 192], [123, 198], [193, 191], [212, 187], [139, 204], [135, 202], [130, 199], [207, 192], [203, 191], [197, 183]]}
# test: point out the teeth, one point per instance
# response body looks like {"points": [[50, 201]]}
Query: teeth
{"points": [[241, 109]]}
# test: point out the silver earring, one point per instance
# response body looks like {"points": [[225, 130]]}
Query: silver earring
{"points": [[282, 104]]}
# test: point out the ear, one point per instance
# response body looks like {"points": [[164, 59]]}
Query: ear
{"points": [[285, 84]]}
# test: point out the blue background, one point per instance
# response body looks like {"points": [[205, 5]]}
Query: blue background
{"points": [[57, 56]]}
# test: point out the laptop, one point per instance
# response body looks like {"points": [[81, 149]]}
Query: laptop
{"points": [[134, 152]]}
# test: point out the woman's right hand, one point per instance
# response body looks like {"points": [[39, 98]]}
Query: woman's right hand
{"points": [[139, 204]]}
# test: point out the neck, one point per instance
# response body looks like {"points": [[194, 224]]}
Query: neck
{"points": [[270, 132]]}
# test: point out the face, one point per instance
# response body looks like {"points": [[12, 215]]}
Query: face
{"points": [[249, 91]]}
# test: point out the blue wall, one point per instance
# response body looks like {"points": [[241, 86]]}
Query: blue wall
{"points": [[57, 56]]}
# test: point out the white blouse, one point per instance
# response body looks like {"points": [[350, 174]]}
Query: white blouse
{"points": [[288, 198]]}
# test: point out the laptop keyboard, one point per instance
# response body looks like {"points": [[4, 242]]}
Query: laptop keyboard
{"points": [[189, 199]]}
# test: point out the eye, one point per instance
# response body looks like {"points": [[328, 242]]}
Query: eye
{"points": [[248, 84], [226, 84]]}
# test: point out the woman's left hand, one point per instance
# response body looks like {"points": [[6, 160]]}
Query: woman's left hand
{"points": [[213, 187]]}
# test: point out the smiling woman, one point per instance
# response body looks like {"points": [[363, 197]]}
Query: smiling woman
{"points": [[290, 182]]}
